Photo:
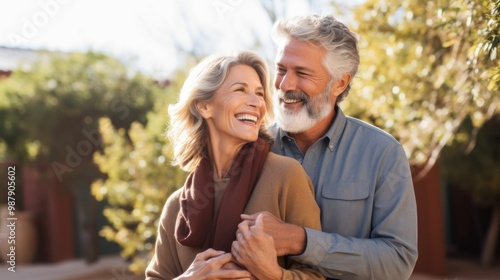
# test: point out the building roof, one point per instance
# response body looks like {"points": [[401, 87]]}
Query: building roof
{"points": [[11, 58]]}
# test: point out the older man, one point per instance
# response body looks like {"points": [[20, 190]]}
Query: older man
{"points": [[361, 174]]}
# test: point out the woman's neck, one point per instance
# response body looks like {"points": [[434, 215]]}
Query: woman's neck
{"points": [[222, 155]]}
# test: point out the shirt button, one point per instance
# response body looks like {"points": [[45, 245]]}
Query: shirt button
{"points": [[289, 140]]}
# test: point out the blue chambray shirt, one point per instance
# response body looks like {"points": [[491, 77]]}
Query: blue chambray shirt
{"points": [[364, 189]]}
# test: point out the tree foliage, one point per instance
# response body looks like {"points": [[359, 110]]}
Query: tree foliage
{"points": [[45, 107], [49, 113], [139, 180], [425, 67]]}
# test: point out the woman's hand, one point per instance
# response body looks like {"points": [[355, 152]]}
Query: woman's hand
{"points": [[235, 266], [209, 265], [254, 249]]}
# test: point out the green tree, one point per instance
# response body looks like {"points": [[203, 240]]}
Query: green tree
{"points": [[139, 180], [49, 113], [425, 67]]}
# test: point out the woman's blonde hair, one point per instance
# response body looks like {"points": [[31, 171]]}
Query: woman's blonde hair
{"points": [[188, 132]]}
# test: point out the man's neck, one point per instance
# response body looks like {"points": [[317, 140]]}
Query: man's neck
{"points": [[307, 138]]}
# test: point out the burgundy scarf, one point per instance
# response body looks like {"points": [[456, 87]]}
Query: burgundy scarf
{"points": [[196, 220]]}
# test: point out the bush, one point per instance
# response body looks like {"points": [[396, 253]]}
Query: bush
{"points": [[139, 181]]}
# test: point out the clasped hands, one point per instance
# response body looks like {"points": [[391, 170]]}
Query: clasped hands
{"points": [[253, 254]]}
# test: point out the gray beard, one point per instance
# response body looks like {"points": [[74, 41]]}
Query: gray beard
{"points": [[313, 110]]}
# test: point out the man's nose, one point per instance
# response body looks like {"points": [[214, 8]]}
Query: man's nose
{"points": [[287, 82]]}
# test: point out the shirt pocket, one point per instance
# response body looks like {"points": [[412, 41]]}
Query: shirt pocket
{"points": [[348, 191], [346, 208]]}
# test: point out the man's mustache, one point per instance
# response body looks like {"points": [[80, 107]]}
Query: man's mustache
{"points": [[293, 94]]}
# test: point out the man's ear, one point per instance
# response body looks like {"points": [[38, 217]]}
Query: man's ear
{"points": [[340, 84], [204, 109]]}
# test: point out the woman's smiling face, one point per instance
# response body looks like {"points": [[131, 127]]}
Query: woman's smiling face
{"points": [[238, 108]]}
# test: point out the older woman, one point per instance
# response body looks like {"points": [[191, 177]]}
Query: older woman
{"points": [[218, 130]]}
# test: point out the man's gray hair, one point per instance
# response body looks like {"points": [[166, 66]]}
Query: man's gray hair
{"points": [[340, 43]]}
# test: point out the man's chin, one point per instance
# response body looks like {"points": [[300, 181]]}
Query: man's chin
{"points": [[294, 123]]}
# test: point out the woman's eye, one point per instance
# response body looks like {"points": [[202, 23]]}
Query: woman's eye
{"points": [[259, 93]]}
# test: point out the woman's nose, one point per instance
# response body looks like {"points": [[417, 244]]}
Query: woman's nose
{"points": [[254, 100]]}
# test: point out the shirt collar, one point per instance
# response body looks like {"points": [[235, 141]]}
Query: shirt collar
{"points": [[336, 128], [333, 133]]}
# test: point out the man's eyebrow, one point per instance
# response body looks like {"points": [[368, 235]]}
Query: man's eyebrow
{"points": [[302, 68], [296, 68]]}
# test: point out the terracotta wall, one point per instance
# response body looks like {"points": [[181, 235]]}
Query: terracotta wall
{"points": [[431, 236], [51, 208]]}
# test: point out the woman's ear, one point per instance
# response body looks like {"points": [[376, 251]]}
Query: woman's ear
{"points": [[204, 109]]}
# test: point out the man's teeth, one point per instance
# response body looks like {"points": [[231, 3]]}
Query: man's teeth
{"points": [[289, 100], [247, 118]]}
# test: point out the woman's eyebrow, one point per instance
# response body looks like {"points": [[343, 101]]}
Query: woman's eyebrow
{"points": [[240, 83], [244, 84]]}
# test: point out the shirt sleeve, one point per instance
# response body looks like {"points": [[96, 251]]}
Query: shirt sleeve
{"points": [[390, 252]]}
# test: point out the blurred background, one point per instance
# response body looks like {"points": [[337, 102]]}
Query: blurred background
{"points": [[83, 92]]}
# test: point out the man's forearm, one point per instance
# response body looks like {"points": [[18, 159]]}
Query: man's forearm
{"points": [[343, 258]]}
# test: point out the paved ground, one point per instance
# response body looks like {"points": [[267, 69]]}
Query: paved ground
{"points": [[465, 269], [107, 268], [113, 268]]}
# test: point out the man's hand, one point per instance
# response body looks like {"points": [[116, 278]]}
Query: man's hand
{"points": [[254, 249], [209, 265], [289, 239]]}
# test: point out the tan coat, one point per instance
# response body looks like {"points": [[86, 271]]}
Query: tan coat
{"points": [[283, 189]]}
